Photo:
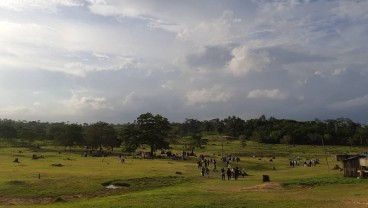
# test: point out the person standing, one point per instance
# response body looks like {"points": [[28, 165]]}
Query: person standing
{"points": [[223, 174], [228, 172]]}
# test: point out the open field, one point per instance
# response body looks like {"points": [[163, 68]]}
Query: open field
{"points": [[82, 181]]}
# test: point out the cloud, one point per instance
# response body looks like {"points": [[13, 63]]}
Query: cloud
{"points": [[203, 96], [168, 85], [78, 102], [182, 58], [275, 94], [245, 60], [49, 5], [17, 110], [356, 10], [212, 32], [104, 63], [156, 17], [131, 99], [350, 104], [338, 71], [210, 57], [73, 49]]}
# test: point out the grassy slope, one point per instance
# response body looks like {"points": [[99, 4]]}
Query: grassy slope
{"points": [[153, 183]]}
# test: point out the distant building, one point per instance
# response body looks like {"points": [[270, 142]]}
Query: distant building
{"points": [[356, 166]]}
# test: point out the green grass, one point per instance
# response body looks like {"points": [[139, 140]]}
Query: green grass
{"points": [[81, 182]]}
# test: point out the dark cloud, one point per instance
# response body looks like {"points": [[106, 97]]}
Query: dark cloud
{"points": [[212, 57]]}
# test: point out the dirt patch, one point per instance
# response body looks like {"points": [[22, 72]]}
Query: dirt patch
{"points": [[264, 186]]}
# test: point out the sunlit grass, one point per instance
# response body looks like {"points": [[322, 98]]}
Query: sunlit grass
{"points": [[155, 183]]}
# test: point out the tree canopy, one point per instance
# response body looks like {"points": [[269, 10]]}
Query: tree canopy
{"points": [[156, 132]]}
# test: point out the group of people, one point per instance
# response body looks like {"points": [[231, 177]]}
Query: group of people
{"points": [[228, 158], [307, 163], [204, 164], [231, 173]]}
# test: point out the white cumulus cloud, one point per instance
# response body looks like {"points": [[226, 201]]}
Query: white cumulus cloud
{"points": [[244, 61], [87, 102], [214, 94], [271, 94]]}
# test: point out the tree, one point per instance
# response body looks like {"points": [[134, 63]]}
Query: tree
{"points": [[66, 135], [286, 139], [130, 137], [191, 127], [197, 141], [147, 129], [243, 141], [73, 136], [220, 127], [152, 131], [28, 135], [55, 130], [7, 132], [234, 126], [102, 134]]}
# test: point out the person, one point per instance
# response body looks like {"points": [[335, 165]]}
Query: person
{"points": [[223, 174], [228, 172], [207, 172], [203, 170], [199, 164], [236, 173], [214, 165]]}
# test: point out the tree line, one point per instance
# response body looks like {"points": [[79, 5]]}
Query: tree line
{"points": [[156, 132]]}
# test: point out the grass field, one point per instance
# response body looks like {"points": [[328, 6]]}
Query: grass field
{"points": [[82, 181]]}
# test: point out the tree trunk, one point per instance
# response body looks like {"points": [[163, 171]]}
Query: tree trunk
{"points": [[152, 149]]}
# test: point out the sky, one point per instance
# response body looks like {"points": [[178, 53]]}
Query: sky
{"points": [[85, 61]]}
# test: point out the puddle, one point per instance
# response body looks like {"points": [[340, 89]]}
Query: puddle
{"points": [[112, 187]]}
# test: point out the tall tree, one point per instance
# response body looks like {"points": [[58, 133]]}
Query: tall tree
{"points": [[29, 135], [55, 130], [234, 126], [73, 135], [101, 134], [191, 127], [130, 137], [7, 132], [152, 130], [197, 141]]}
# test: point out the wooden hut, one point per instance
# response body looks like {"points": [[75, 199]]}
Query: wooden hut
{"points": [[356, 166], [343, 157]]}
